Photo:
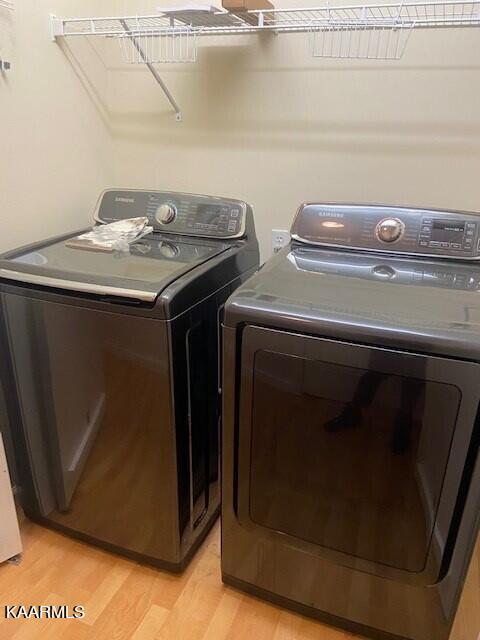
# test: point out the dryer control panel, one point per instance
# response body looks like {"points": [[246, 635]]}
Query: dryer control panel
{"points": [[398, 230], [177, 213]]}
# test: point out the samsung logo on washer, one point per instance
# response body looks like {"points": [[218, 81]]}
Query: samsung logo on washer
{"points": [[127, 200]]}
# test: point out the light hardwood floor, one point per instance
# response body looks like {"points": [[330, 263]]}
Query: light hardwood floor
{"points": [[124, 600]]}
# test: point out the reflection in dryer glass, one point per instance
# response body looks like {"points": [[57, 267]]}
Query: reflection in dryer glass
{"points": [[352, 449]]}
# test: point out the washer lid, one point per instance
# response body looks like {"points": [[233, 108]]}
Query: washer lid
{"points": [[141, 274]]}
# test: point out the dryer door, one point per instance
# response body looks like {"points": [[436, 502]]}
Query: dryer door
{"points": [[354, 451]]}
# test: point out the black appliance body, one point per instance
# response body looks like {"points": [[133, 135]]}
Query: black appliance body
{"points": [[113, 373], [351, 475]]}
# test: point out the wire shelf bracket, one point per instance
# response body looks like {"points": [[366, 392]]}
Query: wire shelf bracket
{"points": [[143, 56], [57, 30], [369, 31]]}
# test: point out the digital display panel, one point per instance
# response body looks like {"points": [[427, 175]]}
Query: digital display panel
{"points": [[208, 214], [448, 231]]}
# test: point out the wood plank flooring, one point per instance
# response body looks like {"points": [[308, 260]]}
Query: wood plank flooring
{"points": [[124, 600]]}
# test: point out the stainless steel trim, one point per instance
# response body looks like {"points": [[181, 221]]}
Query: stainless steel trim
{"points": [[189, 422], [397, 252], [220, 310], [238, 235], [83, 287]]}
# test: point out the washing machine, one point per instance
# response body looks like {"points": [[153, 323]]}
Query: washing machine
{"points": [[112, 372], [351, 482]]}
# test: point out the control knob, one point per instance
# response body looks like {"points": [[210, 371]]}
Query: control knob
{"points": [[390, 230], [166, 213]]}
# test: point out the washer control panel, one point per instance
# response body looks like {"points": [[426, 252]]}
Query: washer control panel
{"points": [[400, 230], [178, 213]]}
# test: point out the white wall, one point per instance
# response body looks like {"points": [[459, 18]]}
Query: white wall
{"points": [[265, 122], [55, 145]]}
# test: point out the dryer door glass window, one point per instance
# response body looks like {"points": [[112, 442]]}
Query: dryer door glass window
{"points": [[348, 458]]}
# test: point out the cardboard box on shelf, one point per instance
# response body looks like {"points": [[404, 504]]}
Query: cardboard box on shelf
{"points": [[246, 5]]}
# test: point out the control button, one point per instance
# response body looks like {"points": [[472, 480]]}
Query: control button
{"points": [[166, 213], [455, 245], [390, 230], [445, 245], [434, 243], [471, 225], [234, 213], [232, 225], [423, 243], [426, 230]]}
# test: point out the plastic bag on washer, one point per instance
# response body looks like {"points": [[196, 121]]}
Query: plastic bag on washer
{"points": [[116, 236]]}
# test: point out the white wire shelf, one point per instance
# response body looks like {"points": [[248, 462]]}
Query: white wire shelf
{"points": [[179, 46], [380, 42], [453, 13], [369, 31]]}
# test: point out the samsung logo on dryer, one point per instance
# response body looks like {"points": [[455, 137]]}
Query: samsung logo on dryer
{"points": [[126, 200], [330, 214]]}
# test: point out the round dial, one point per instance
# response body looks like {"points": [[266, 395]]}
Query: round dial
{"points": [[390, 230], [166, 213]]}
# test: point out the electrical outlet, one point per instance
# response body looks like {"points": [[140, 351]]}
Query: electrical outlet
{"points": [[280, 238]]}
